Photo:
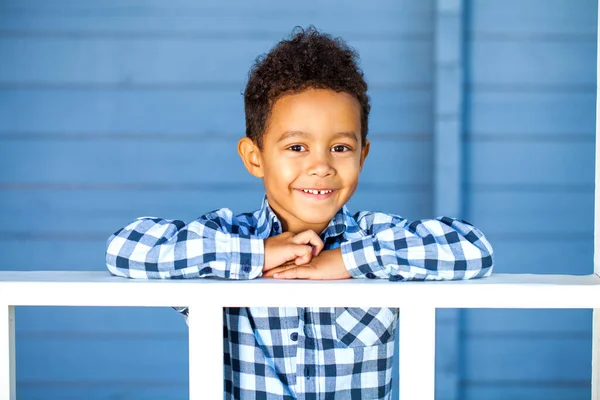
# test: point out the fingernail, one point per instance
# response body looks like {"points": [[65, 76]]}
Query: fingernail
{"points": [[275, 274]]}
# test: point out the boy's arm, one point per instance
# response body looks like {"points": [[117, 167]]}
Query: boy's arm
{"points": [[436, 249], [154, 248]]}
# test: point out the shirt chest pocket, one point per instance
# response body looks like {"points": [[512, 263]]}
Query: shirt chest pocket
{"points": [[363, 327]]}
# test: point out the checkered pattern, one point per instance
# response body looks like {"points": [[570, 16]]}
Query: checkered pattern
{"points": [[303, 353]]}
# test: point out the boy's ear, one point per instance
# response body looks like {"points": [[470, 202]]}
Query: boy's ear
{"points": [[364, 152], [250, 155]]}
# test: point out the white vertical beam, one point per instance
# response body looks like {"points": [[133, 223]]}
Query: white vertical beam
{"points": [[417, 353], [8, 384], [596, 324], [206, 351]]}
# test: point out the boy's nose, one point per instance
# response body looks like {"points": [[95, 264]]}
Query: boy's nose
{"points": [[320, 165]]}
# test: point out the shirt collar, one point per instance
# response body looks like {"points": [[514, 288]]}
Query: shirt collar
{"points": [[342, 223], [267, 223]]}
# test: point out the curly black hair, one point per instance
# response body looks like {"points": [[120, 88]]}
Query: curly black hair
{"points": [[308, 59]]}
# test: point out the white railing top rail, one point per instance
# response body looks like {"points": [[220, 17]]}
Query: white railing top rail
{"points": [[58, 288]]}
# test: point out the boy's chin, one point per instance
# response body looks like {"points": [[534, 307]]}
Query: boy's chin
{"points": [[316, 218]]}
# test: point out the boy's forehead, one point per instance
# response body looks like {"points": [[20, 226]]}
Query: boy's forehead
{"points": [[315, 112]]}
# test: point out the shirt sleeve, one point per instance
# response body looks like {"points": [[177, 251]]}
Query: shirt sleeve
{"points": [[433, 249], [154, 248]]}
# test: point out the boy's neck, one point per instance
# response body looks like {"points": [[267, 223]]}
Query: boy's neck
{"points": [[297, 228], [291, 223]]}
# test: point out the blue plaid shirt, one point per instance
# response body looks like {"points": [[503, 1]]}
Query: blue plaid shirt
{"points": [[303, 353]]}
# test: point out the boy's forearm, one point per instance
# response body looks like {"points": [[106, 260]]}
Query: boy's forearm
{"points": [[442, 249], [150, 248]]}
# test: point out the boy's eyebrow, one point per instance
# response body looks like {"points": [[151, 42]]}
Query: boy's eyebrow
{"points": [[291, 134], [348, 135]]}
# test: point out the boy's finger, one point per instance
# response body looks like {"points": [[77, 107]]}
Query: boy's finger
{"points": [[309, 237], [269, 273], [281, 268], [302, 254], [305, 259], [301, 272]]}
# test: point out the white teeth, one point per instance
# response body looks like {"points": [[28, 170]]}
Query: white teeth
{"points": [[316, 191]]}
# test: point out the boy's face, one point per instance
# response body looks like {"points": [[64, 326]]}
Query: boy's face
{"points": [[312, 143]]}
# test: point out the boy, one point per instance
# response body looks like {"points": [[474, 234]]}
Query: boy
{"points": [[307, 113]]}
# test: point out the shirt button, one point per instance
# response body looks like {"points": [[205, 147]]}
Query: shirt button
{"points": [[294, 336], [371, 275], [246, 268], [275, 226]]}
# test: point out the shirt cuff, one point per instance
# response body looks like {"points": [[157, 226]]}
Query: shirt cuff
{"points": [[246, 257], [361, 260]]}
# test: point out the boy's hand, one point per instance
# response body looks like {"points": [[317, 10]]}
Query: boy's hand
{"points": [[297, 249], [327, 265]]}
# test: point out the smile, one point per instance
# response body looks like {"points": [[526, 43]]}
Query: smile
{"points": [[317, 194], [316, 191]]}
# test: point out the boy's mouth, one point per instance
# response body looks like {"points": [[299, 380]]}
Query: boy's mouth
{"points": [[316, 193]]}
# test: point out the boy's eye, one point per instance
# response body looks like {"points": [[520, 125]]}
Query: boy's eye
{"points": [[340, 148], [296, 147]]}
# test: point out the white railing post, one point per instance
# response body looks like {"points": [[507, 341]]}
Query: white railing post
{"points": [[205, 323], [596, 318], [417, 353], [418, 302], [8, 384]]}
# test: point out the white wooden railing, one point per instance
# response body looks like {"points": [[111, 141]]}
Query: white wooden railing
{"points": [[417, 301]]}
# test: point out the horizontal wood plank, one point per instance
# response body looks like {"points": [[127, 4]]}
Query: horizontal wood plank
{"points": [[125, 359], [265, 19], [100, 323], [520, 114], [70, 390], [557, 211], [535, 17], [182, 110], [544, 163], [266, 6], [183, 62], [547, 390], [537, 359], [528, 252], [564, 63], [527, 323]]}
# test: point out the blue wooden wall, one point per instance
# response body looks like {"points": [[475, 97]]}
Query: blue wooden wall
{"points": [[529, 178], [116, 109]]}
